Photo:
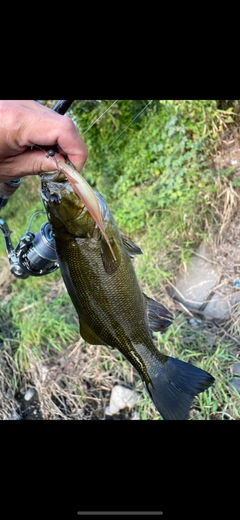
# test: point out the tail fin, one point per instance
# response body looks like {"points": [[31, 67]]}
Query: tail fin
{"points": [[173, 389]]}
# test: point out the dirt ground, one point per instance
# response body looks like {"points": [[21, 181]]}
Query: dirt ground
{"points": [[47, 391]]}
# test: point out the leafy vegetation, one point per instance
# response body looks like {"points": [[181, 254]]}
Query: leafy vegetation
{"points": [[151, 165], [151, 160]]}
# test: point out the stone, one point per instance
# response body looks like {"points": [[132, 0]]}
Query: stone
{"points": [[121, 397], [234, 384], [195, 287], [220, 304], [236, 369], [194, 322]]}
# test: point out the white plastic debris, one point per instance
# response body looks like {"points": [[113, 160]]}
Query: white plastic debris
{"points": [[121, 397], [29, 394]]}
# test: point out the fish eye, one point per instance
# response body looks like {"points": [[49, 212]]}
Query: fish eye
{"points": [[54, 198]]}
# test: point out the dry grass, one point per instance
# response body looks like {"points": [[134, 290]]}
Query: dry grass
{"points": [[76, 383]]}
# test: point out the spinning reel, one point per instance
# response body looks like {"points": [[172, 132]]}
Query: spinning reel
{"points": [[35, 254]]}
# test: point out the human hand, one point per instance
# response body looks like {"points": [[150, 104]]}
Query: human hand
{"points": [[25, 123]]}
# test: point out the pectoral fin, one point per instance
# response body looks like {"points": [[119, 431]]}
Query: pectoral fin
{"points": [[159, 317], [110, 265]]}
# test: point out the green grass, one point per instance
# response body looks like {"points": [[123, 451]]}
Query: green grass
{"points": [[40, 316], [39, 322], [216, 358], [163, 193], [217, 402], [36, 320]]}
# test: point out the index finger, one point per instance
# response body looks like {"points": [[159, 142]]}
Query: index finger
{"points": [[57, 130]]}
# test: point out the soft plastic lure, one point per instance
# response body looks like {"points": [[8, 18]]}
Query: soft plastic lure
{"points": [[85, 192]]}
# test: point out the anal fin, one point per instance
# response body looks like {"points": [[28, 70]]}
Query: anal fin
{"points": [[159, 317]]}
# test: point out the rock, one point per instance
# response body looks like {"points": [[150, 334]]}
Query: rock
{"points": [[234, 384], [220, 305], [199, 281], [194, 322], [228, 413], [199, 287], [121, 397], [236, 369]]}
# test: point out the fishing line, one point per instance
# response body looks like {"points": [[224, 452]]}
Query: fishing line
{"points": [[125, 128], [100, 117], [114, 140], [80, 185], [139, 113], [31, 219]]}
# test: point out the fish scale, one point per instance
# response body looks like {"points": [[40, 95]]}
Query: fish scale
{"points": [[106, 294], [108, 304]]}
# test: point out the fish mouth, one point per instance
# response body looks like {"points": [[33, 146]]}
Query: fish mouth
{"points": [[48, 189], [50, 182], [52, 176], [45, 191]]}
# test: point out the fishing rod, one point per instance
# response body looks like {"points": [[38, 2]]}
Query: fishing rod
{"points": [[35, 254]]}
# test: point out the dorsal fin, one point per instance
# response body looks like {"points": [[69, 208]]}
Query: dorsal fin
{"points": [[131, 248]]}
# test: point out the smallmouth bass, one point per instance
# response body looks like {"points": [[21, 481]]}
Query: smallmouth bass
{"points": [[106, 294]]}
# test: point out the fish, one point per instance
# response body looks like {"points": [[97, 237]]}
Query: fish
{"points": [[82, 189], [111, 306], [86, 193]]}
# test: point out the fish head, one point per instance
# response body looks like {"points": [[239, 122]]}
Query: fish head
{"points": [[64, 208]]}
